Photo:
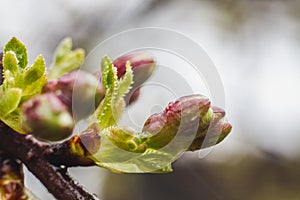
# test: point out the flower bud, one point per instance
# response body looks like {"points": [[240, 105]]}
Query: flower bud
{"points": [[78, 90], [218, 111], [180, 117], [47, 118], [212, 136], [217, 129], [143, 65]]}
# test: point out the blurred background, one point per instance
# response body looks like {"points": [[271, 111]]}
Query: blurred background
{"points": [[255, 45]]}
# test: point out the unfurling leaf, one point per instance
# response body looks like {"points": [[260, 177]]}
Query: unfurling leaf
{"points": [[34, 88], [110, 110], [19, 49], [10, 62], [10, 101], [65, 60], [109, 73], [126, 81], [62, 50], [20, 82], [35, 72]]}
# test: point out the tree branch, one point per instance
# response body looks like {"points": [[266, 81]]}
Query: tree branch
{"points": [[31, 152], [61, 154], [76, 151]]}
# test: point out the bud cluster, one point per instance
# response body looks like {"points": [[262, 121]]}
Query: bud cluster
{"points": [[73, 96], [188, 124], [189, 116]]}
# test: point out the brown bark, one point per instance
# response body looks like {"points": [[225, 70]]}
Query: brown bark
{"points": [[32, 153]]}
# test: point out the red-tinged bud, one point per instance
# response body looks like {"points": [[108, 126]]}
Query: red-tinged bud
{"points": [[134, 96], [47, 118], [78, 89], [180, 117], [218, 111], [212, 136], [142, 63], [214, 115]]}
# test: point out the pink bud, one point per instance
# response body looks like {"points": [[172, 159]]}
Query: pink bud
{"points": [[79, 88], [47, 118], [182, 116], [142, 63]]}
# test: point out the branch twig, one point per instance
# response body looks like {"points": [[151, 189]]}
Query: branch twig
{"points": [[76, 150], [31, 153]]}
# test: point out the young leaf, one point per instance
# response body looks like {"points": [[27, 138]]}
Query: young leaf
{"points": [[105, 111], [108, 76], [10, 101], [64, 47], [10, 62], [9, 80], [116, 159], [118, 109], [35, 72], [34, 88], [126, 81], [13, 120], [125, 138], [20, 50], [110, 109], [66, 60]]}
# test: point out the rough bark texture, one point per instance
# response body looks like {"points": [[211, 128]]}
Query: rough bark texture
{"points": [[32, 153]]}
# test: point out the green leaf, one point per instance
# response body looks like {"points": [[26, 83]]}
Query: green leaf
{"points": [[125, 138], [119, 160], [126, 81], [13, 120], [64, 47], [10, 62], [111, 108], [118, 109], [35, 72], [34, 88], [10, 101], [108, 74], [9, 80], [66, 60], [105, 113], [20, 50]]}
